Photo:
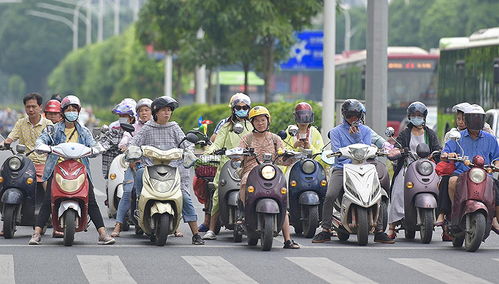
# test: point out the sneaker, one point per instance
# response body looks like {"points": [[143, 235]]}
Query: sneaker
{"points": [[322, 237], [106, 240], [203, 228], [196, 240], [382, 237], [35, 239], [210, 235]]}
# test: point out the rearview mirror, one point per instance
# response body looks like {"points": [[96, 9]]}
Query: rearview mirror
{"points": [[389, 132], [127, 127], [238, 128], [191, 137], [455, 135], [326, 159], [282, 134], [293, 130], [20, 149]]}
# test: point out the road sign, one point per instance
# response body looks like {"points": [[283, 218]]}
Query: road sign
{"points": [[306, 53]]}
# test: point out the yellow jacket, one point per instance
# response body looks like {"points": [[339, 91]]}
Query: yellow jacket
{"points": [[316, 143]]}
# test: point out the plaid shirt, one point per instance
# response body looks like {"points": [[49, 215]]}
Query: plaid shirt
{"points": [[164, 137], [110, 140], [27, 133]]}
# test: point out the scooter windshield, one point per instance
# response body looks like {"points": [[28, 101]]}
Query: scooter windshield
{"points": [[71, 150]]}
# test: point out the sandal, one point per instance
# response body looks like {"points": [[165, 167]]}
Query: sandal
{"points": [[393, 235], [495, 230], [439, 223], [290, 244], [57, 234], [117, 230], [178, 234], [1, 234]]}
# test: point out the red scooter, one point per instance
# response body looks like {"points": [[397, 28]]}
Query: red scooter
{"points": [[473, 207], [69, 188]]}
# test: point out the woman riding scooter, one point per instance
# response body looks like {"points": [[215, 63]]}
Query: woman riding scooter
{"points": [[143, 109], [226, 138], [262, 141], [68, 130], [415, 133]]}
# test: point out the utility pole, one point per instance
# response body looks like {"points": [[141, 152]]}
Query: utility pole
{"points": [[100, 26], [200, 76], [168, 73], [117, 5], [328, 96], [377, 68]]}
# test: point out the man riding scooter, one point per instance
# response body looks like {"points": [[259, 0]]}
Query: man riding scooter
{"points": [[68, 130], [27, 129], [474, 141], [350, 131]]}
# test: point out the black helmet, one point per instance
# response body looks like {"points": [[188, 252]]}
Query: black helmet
{"points": [[162, 102], [352, 107], [417, 107], [474, 117]]}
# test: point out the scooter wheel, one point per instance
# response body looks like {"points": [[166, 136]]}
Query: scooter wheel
{"points": [[474, 234], [238, 236], [458, 240], [362, 227], [69, 227], [9, 221], [409, 234], [162, 228], [268, 232]]}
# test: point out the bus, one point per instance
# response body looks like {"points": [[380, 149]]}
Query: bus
{"points": [[412, 76], [468, 71]]}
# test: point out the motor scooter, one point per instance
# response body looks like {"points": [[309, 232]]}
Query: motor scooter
{"points": [[307, 185], [473, 207], [420, 191], [160, 202], [266, 198], [360, 205], [70, 187], [21, 194]]}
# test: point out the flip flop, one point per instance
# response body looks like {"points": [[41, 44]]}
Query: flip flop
{"points": [[495, 230], [178, 234], [439, 224]]}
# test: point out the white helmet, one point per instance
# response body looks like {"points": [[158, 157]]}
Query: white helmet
{"points": [[460, 107], [126, 106], [143, 102], [70, 100], [239, 98]]}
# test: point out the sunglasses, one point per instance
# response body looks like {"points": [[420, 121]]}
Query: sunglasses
{"points": [[241, 107], [349, 115]]}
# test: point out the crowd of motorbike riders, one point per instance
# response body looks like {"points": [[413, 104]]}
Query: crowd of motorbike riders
{"points": [[56, 122]]}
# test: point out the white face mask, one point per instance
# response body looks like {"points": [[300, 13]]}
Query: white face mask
{"points": [[123, 120]]}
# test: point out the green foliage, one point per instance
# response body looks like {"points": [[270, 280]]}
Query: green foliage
{"points": [[281, 112], [103, 74]]}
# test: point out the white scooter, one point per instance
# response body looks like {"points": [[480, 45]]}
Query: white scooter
{"points": [[114, 184], [160, 201], [357, 211]]}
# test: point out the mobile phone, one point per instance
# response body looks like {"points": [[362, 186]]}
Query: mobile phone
{"points": [[302, 137]]}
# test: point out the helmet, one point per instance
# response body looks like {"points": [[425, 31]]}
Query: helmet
{"points": [[258, 110], [303, 113], [143, 102], [162, 102], [239, 98], [70, 100], [474, 117], [52, 106], [126, 106], [352, 107], [460, 107], [417, 107]]}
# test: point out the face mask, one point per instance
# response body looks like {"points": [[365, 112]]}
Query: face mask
{"points": [[241, 113], [71, 116], [123, 120], [416, 120]]}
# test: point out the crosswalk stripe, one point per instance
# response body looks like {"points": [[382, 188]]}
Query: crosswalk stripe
{"points": [[439, 270], [496, 259], [104, 269], [7, 269], [328, 270], [216, 269]]}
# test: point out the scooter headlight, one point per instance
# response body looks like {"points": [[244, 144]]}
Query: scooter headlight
{"points": [[268, 172], [477, 175], [359, 154], [15, 163], [69, 185], [308, 167], [425, 168]]}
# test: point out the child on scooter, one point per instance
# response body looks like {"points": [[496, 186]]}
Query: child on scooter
{"points": [[263, 141]]}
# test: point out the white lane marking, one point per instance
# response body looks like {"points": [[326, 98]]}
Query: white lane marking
{"points": [[216, 269], [496, 259], [439, 270], [97, 192], [104, 269], [328, 270], [7, 269]]}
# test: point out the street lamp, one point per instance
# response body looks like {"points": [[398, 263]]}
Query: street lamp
{"points": [[57, 19]]}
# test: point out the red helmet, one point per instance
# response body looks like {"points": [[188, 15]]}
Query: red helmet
{"points": [[304, 113], [53, 106]]}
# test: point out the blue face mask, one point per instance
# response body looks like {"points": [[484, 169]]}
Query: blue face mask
{"points": [[416, 120], [241, 113], [71, 116]]}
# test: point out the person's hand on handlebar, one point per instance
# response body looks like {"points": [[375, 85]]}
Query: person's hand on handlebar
{"points": [[448, 155]]}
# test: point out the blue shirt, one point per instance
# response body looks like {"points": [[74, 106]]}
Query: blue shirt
{"points": [[84, 137], [485, 145], [340, 137]]}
